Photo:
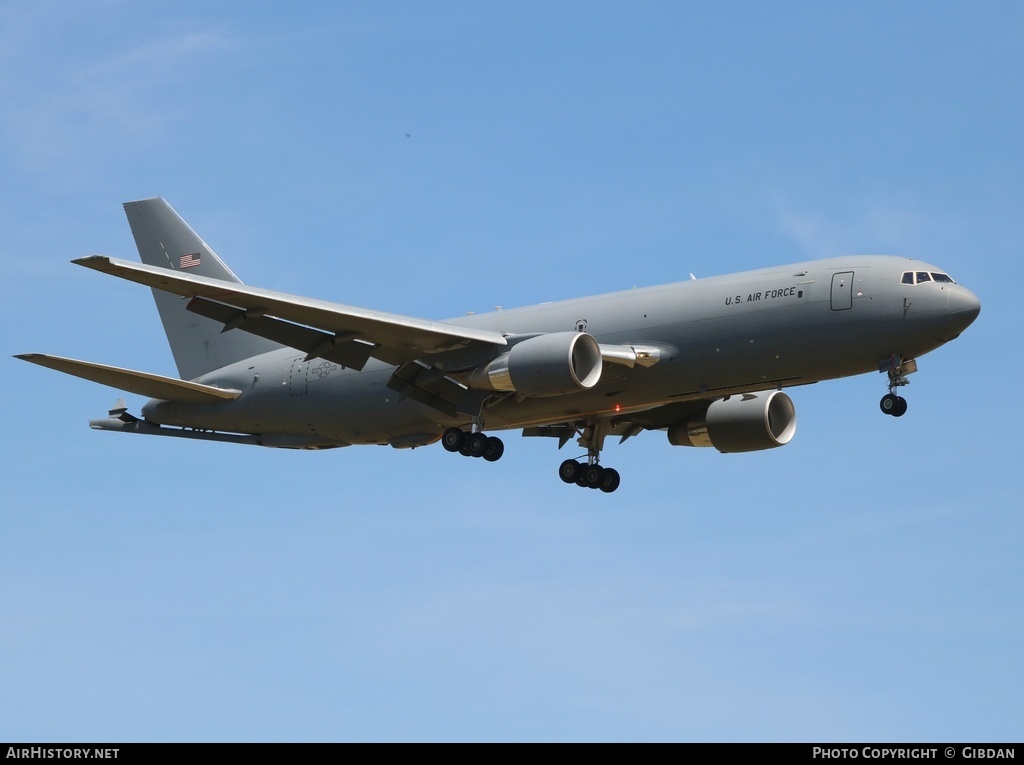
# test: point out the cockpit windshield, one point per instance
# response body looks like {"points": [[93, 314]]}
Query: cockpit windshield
{"points": [[919, 277]]}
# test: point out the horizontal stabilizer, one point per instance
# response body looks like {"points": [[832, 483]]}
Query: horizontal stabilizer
{"points": [[278, 440], [142, 383]]}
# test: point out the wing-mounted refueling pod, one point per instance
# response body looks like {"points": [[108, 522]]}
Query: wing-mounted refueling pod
{"points": [[632, 355]]}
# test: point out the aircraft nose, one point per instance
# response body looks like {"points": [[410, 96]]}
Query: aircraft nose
{"points": [[964, 308]]}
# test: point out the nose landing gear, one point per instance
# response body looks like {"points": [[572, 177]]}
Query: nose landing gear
{"points": [[897, 369]]}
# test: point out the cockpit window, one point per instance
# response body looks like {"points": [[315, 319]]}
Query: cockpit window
{"points": [[924, 276]]}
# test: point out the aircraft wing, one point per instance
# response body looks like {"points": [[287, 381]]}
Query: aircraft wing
{"points": [[142, 383], [346, 333]]}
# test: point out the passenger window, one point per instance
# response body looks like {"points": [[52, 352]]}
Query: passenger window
{"points": [[943, 278], [922, 276], [908, 277]]}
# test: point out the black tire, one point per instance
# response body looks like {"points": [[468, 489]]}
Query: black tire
{"points": [[889, 404], [610, 481], [593, 476], [452, 439], [569, 470], [901, 407], [493, 449], [475, 444]]}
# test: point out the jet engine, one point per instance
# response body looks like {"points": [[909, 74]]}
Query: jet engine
{"points": [[743, 423], [545, 365]]}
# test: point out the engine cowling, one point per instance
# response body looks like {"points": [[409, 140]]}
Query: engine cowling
{"points": [[546, 365], [744, 423]]}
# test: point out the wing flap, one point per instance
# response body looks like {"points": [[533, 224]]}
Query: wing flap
{"points": [[429, 386], [142, 383], [396, 339], [317, 344]]}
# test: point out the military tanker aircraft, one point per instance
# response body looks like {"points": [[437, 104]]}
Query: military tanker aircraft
{"points": [[705, 360]]}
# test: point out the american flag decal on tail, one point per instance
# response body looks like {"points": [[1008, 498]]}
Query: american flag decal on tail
{"points": [[189, 261]]}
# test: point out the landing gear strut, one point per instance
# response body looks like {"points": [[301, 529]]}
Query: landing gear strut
{"points": [[891, 403], [475, 444], [590, 474]]}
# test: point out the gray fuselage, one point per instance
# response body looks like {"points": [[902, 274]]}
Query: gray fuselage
{"points": [[757, 330]]}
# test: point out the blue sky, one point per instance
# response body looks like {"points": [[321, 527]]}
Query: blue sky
{"points": [[863, 583]]}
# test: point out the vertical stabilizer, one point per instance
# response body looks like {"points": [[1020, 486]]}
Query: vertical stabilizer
{"points": [[198, 345]]}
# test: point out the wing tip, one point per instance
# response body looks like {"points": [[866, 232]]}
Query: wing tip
{"points": [[92, 261]]}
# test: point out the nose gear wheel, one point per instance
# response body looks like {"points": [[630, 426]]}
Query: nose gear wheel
{"points": [[893, 405]]}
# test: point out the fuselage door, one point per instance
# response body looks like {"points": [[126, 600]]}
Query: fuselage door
{"points": [[298, 384], [842, 291]]}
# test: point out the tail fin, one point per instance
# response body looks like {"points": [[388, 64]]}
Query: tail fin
{"points": [[165, 240]]}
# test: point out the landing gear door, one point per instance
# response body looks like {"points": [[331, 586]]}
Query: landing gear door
{"points": [[842, 291]]}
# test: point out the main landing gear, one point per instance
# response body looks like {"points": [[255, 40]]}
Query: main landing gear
{"points": [[891, 404], [590, 474], [475, 444]]}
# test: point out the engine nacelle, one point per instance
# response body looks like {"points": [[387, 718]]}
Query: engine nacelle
{"points": [[546, 365], [744, 423]]}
